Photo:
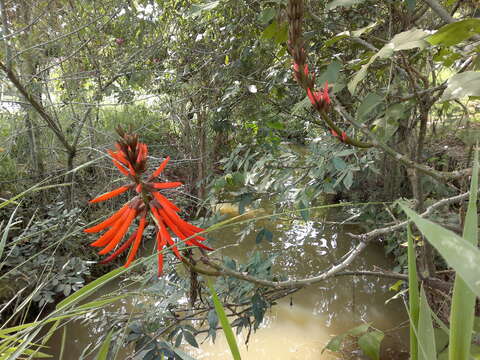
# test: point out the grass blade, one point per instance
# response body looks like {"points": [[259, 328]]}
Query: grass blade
{"points": [[426, 336], [463, 299], [62, 347], [413, 295], [3, 239], [227, 329], [103, 353]]}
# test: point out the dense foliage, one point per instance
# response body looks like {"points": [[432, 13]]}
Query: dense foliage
{"points": [[285, 107]]}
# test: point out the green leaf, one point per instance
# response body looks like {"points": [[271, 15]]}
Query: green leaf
{"points": [[462, 313], [197, 9], [411, 4], [456, 32], [396, 287], [359, 76], [336, 342], [344, 3], [458, 253], [183, 355], [264, 233], [281, 35], [339, 163], [359, 330], [178, 340], [227, 329], [413, 296], [103, 352], [349, 33], [190, 338], [331, 73], [397, 111], [277, 125], [410, 39], [426, 335], [370, 344], [304, 213], [462, 85], [270, 31], [348, 179], [62, 346], [369, 103], [403, 41], [245, 200], [266, 15]]}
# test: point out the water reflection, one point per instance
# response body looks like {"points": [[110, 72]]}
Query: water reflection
{"points": [[303, 249]]}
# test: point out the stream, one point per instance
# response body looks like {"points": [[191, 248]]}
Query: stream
{"points": [[299, 326]]}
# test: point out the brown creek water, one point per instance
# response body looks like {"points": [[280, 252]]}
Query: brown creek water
{"points": [[299, 326]]}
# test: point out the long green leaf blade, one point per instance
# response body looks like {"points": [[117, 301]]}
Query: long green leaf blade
{"points": [[227, 329], [463, 300], [413, 295], [426, 336], [4, 233], [459, 254], [103, 352]]}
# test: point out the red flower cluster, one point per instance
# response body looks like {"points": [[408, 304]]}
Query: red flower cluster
{"points": [[319, 99], [343, 137], [297, 74], [130, 159]]}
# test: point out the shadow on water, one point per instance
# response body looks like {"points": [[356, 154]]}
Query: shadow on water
{"points": [[299, 326]]}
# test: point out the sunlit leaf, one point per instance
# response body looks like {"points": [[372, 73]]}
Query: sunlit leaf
{"points": [[335, 343], [456, 32], [462, 85], [410, 39], [344, 3], [370, 344], [395, 287], [197, 9]]}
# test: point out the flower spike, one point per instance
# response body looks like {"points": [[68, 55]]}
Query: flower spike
{"points": [[130, 158]]}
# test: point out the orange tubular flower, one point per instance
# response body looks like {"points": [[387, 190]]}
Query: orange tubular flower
{"points": [[111, 194], [130, 158]]}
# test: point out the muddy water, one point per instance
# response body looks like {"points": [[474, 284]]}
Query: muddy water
{"points": [[299, 326]]}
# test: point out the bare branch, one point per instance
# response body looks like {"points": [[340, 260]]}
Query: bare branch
{"points": [[440, 10], [37, 106], [330, 272], [444, 15], [369, 236]]}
